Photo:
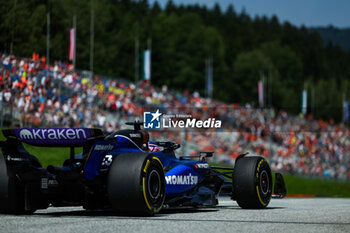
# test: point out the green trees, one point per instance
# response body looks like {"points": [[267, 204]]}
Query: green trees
{"points": [[180, 45], [244, 50], [23, 26], [249, 68], [288, 82]]}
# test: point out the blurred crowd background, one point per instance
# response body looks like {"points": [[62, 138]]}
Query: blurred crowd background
{"points": [[34, 94]]}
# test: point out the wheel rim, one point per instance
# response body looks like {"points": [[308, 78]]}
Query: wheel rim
{"points": [[154, 184], [264, 182]]}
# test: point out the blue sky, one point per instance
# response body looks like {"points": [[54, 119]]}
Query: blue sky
{"points": [[298, 12]]}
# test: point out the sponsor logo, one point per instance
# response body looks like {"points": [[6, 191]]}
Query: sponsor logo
{"points": [[104, 147], [258, 168], [202, 165], [53, 182], [151, 120], [135, 135], [25, 134], [52, 134], [181, 179], [9, 158]]}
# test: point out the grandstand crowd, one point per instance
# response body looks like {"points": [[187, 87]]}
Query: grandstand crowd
{"points": [[58, 96]]}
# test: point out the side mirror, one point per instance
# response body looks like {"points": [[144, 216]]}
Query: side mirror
{"points": [[169, 145], [203, 155], [136, 124]]}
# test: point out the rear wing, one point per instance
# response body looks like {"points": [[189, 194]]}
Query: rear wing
{"points": [[54, 137]]}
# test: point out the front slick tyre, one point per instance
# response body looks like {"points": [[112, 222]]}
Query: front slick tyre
{"points": [[252, 182], [136, 184]]}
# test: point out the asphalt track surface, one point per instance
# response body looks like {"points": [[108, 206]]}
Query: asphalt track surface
{"points": [[286, 215]]}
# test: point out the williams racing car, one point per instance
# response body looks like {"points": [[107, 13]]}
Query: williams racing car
{"points": [[125, 172]]}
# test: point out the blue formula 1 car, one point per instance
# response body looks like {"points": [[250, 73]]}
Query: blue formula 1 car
{"points": [[123, 171]]}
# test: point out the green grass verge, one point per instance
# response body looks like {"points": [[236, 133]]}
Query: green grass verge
{"points": [[48, 155], [314, 186], [317, 186], [51, 156]]}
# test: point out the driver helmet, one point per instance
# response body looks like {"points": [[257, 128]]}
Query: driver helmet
{"points": [[152, 146]]}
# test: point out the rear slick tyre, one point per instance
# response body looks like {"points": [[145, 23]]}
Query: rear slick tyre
{"points": [[252, 182], [136, 184], [11, 192]]}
